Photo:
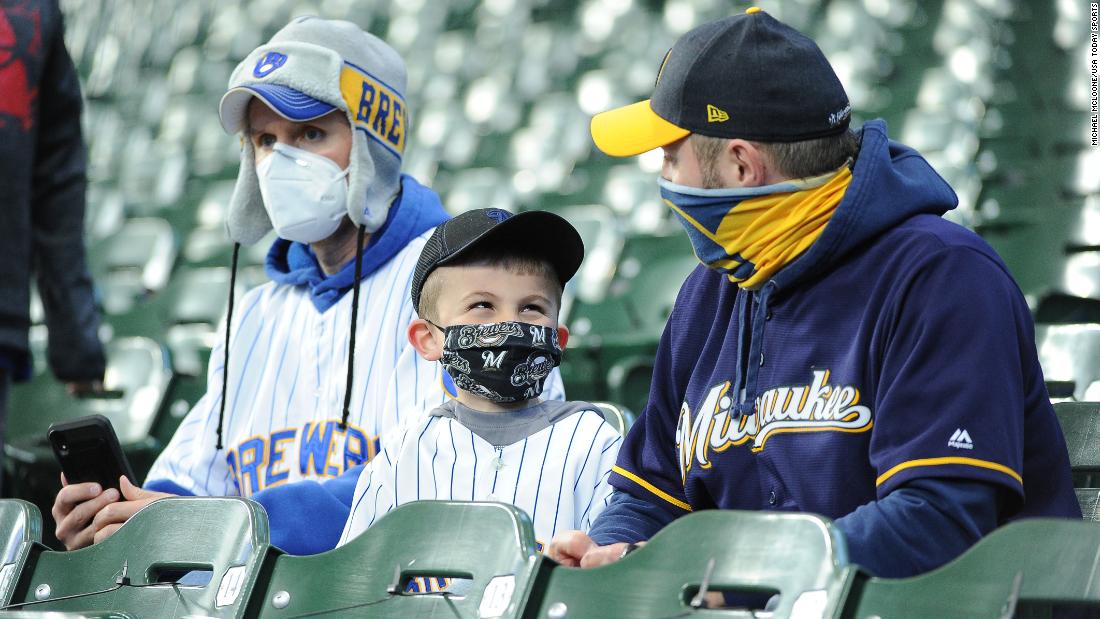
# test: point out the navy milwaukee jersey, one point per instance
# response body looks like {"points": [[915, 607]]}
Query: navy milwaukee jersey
{"points": [[893, 350]]}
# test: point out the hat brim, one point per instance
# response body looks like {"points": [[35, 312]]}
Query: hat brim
{"points": [[632, 130], [540, 233], [290, 103]]}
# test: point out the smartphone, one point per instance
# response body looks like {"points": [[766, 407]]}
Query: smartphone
{"points": [[88, 450]]}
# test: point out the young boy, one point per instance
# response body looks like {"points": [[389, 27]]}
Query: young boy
{"points": [[487, 289]]}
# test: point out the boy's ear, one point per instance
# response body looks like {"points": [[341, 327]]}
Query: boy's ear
{"points": [[423, 340], [563, 336]]}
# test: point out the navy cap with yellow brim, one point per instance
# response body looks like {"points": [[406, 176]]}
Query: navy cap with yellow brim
{"points": [[747, 76]]}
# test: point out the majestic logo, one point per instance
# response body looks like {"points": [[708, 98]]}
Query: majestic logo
{"points": [[817, 407], [715, 115], [537, 367], [267, 64], [960, 439], [494, 334]]}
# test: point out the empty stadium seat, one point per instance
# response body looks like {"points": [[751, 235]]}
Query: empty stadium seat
{"points": [[1089, 499], [1020, 570], [20, 529], [177, 557], [1080, 423], [621, 418], [798, 557], [489, 547], [1070, 357]]}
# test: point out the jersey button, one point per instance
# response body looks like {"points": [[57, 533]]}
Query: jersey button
{"points": [[768, 315], [772, 499], [761, 359]]}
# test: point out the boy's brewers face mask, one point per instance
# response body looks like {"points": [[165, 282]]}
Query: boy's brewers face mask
{"points": [[503, 361]]}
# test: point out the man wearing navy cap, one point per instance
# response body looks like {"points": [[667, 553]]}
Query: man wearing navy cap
{"points": [[310, 375], [842, 349]]}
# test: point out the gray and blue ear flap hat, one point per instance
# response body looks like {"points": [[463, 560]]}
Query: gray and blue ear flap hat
{"points": [[308, 69]]}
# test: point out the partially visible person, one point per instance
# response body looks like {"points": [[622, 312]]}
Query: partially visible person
{"points": [[313, 375], [42, 181], [488, 289], [843, 349]]}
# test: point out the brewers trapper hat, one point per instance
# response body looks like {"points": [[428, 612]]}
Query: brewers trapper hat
{"points": [[537, 233], [747, 76], [310, 68]]}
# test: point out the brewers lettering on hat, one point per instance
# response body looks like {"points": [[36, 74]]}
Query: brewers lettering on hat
{"points": [[839, 334]]}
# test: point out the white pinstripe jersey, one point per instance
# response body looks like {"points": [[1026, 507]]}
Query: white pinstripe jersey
{"points": [[287, 371], [558, 474]]}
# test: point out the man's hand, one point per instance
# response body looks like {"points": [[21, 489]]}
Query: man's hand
{"points": [[75, 507], [575, 549], [114, 515]]}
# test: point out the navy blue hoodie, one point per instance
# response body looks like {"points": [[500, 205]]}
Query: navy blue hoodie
{"points": [[895, 358]]}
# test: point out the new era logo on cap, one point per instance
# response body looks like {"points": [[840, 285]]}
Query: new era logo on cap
{"points": [[715, 115]]}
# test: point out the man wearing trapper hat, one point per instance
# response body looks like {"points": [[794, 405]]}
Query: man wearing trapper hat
{"points": [[842, 349], [314, 375]]}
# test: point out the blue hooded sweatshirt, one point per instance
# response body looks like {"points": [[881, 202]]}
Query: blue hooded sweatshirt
{"points": [[887, 379], [307, 517]]}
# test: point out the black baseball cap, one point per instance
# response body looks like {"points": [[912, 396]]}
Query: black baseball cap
{"points": [[536, 233], [748, 76]]}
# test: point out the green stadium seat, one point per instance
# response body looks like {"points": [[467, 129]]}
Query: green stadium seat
{"points": [[1080, 423], [1089, 499], [21, 528], [620, 417], [1070, 357], [487, 548], [799, 557], [1019, 570], [183, 556], [134, 262]]}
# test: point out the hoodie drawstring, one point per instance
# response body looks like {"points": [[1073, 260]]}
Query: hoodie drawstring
{"points": [[354, 321], [228, 322]]}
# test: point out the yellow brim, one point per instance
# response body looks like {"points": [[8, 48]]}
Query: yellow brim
{"points": [[632, 130]]}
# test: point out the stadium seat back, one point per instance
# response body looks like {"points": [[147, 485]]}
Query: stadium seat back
{"points": [[21, 526], [799, 557], [184, 556], [1089, 499], [487, 549], [1080, 423], [620, 417], [1019, 570]]}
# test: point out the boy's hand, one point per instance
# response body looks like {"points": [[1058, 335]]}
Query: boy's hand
{"points": [[74, 508], [114, 515], [575, 549]]}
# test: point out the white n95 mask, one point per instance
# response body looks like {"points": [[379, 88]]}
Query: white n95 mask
{"points": [[305, 194]]}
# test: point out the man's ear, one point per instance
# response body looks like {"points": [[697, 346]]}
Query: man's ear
{"points": [[563, 336], [745, 165], [423, 340]]}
